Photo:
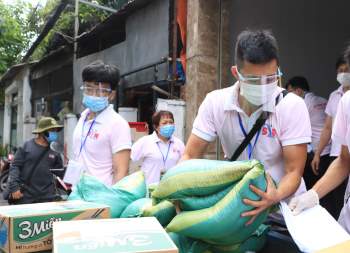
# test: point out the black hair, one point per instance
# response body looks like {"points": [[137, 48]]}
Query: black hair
{"points": [[257, 47], [158, 115], [340, 61], [299, 82], [97, 71], [346, 57]]}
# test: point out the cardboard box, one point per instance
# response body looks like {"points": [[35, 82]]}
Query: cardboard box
{"points": [[134, 235], [28, 228], [339, 248]]}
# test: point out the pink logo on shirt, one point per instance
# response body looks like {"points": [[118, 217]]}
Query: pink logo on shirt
{"points": [[175, 150], [269, 131], [94, 134]]}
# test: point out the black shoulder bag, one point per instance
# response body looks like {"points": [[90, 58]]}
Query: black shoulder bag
{"points": [[257, 126]]}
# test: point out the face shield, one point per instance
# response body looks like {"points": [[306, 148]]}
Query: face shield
{"points": [[258, 90]]}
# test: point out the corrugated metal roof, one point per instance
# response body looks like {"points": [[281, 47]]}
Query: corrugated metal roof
{"points": [[13, 71], [126, 8]]}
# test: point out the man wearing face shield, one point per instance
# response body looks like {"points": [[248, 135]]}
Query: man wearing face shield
{"points": [[101, 139], [230, 114], [338, 171]]}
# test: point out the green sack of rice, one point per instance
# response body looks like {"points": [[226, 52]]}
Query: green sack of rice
{"points": [[253, 244], [136, 208], [165, 211], [198, 203], [151, 188], [222, 223], [199, 177], [134, 184], [117, 197], [188, 245]]}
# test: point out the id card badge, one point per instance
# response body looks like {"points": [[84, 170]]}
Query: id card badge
{"points": [[73, 172]]}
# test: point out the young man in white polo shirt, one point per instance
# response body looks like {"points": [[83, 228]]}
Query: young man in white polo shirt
{"points": [[101, 140], [338, 171], [231, 113], [343, 78], [316, 106]]}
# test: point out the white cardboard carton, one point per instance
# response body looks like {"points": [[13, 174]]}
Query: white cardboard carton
{"points": [[134, 235]]}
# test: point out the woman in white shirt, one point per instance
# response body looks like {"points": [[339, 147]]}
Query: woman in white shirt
{"points": [[160, 150]]}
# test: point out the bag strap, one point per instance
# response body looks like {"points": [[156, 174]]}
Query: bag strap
{"points": [[29, 179], [257, 126]]}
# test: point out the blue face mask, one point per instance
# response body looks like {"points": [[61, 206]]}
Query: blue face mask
{"points": [[95, 104], [167, 131], [52, 136]]}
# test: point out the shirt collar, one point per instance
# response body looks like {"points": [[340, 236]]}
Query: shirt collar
{"points": [[231, 100], [100, 116], [156, 138], [340, 90]]}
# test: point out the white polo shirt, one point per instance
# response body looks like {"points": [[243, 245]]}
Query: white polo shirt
{"points": [[341, 126], [109, 134], [288, 124], [316, 106], [157, 157], [331, 111], [341, 134]]}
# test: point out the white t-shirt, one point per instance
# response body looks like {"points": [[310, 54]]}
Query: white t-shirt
{"points": [[157, 157], [109, 134], [288, 124], [341, 134], [316, 106], [331, 111]]}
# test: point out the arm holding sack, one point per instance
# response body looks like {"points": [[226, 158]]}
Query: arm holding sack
{"points": [[294, 138], [294, 157]]}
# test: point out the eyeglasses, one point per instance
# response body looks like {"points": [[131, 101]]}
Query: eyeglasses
{"points": [[263, 79], [99, 92]]}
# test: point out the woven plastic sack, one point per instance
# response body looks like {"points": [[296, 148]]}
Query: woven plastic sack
{"points": [[136, 208], [165, 211], [188, 245], [117, 197], [253, 244], [199, 177], [198, 203], [222, 223]]}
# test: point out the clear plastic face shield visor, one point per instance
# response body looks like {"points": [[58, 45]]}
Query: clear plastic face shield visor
{"points": [[96, 90], [259, 90]]}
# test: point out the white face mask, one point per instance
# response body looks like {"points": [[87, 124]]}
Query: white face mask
{"points": [[258, 94], [344, 79]]}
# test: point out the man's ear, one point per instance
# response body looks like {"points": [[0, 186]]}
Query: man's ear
{"points": [[234, 72], [112, 96]]}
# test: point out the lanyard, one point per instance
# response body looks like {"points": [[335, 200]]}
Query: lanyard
{"points": [[83, 140], [165, 158], [250, 147]]}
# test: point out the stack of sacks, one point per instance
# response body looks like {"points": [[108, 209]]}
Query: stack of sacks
{"points": [[211, 194], [118, 197]]}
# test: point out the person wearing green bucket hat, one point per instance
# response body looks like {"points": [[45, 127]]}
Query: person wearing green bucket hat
{"points": [[30, 178], [48, 127]]}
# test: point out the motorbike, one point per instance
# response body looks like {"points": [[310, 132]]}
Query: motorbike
{"points": [[5, 164]]}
